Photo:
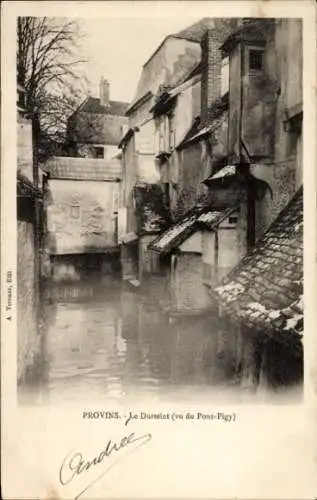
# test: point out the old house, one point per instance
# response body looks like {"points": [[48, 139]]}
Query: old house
{"points": [[197, 244], [174, 113], [264, 291], [192, 130], [263, 297], [94, 130], [82, 198], [142, 214], [236, 148], [29, 210], [173, 60], [265, 112]]}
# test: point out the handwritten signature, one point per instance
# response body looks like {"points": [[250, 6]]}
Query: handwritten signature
{"points": [[74, 464]]}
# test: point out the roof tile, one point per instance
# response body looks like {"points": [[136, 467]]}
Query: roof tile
{"points": [[176, 234], [93, 105], [272, 275]]}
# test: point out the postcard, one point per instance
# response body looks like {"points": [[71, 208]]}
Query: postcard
{"points": [[158, 252]]}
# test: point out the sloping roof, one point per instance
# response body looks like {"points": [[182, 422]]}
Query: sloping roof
{"points": [[248, 32], [200, 133], [26, 188], [92, 105], [196, 31], [60, 167], [138, 100], [127, 136], [167, 97], [217, 116], [193, 130], [265, 289], [185, 227], [169, 71]]}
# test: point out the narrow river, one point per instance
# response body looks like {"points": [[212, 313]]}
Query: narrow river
{"points": [[108, 341]]}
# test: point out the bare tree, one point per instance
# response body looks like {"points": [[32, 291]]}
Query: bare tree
{"points": [[48, 68]]}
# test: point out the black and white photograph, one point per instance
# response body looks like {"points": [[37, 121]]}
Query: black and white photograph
{"points": [[158, 250], [160, 235]]}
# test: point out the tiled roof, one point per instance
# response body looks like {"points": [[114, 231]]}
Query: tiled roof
{"points": [[202, 132], [92, 105], [193, 130], [25, 187], [185, 227], [167, 97], [60, 167], [265, 289], [195, 31], [217, 116]]}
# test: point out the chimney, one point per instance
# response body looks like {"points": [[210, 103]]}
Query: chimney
{"points": [[211, 73], [104, 92], [211, 58]]}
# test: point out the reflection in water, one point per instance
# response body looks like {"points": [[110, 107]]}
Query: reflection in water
{"points": [[107, 342]]}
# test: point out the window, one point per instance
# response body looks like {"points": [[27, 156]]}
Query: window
{"points": [[233, 219], [224, 76], [170, 132], [255, 60], [294, 129], [75, 211], [163, 133], [166, 194], [98, 152]]}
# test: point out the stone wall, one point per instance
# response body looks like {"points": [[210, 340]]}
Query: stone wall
{"points": [[81, 216], [129, 260], [228, 250], [281, 177], [188, 292], [79, 267], [149, 261], [194, 169], [27, 300], [167, 66]]}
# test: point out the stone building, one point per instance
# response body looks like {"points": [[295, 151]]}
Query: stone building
{"points": [[82, 196], [243, 148], [173, 60], [265, 111], [201, 245], [192, 127], [263, 294], [94, 130], [263, 301], [29, 212]]}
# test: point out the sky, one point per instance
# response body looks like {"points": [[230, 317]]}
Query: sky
{"points": [[118, 48]]}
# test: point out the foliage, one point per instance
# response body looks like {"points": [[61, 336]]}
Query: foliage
{"points": [[49, 70]]}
